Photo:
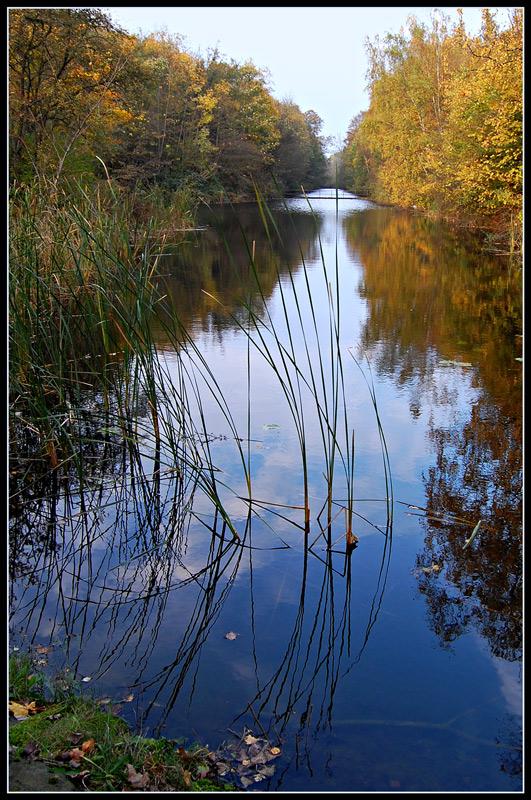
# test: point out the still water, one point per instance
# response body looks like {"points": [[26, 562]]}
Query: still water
{"points": [[391, 666]]}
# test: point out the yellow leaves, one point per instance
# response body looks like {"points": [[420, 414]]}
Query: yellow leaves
{"points": [[23, 710], [453, 122]]}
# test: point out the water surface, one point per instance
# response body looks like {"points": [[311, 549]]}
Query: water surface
{"points": [[394, 666]]}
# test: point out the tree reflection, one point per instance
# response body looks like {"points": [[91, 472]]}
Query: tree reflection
{"points": [[433, 295], [477, 476], [216, 264]]}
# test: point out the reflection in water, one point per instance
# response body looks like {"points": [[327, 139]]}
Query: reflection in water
{"points": [[135, 578], [434, 298], [216, 265]]}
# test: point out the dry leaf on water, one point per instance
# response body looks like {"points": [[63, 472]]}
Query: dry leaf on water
{"points": [[128, 699], [231, 635], [352, 539], [267, 772], [249, 739]]}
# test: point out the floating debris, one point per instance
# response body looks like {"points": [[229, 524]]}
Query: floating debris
{"points": [[472, 535], [434, 568], [449, 363], [246, 759]]}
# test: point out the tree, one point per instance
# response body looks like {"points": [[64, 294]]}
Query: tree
{"points": [[243, 129], [64, 89], [443, 130], [294, 151]]}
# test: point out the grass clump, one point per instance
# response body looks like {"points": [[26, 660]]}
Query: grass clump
{"points": [[117, 759], [97, 749], [24, 682]]}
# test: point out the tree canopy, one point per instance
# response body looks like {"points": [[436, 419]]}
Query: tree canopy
{"points": [[443, 131], [83, 92]]}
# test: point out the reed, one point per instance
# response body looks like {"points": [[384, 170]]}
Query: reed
{"points": [[83, 295]]}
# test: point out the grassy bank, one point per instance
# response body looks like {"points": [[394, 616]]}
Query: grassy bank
{"points": [[77, 737]]}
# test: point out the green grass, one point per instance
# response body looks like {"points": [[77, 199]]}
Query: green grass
{"points": [[65, 725], [25, 683]]}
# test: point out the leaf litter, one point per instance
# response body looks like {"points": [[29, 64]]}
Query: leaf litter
{"points": [[246, 759]]}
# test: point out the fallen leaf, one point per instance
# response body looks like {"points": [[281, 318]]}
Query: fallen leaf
{"points": [[250, 739], [139, 781], [31, 751], [23, 710], [79, 777], [184, 755], [261, 758], [88, 746], [187, 777], [75, 756], [267, 772], [275, 751], [128, 699], [231, 635], [18, 710], [42, 650], [103, 701], [434, 568], [75, 738]]}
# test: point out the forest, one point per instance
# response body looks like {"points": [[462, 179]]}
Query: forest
{"points": [[89, 100], [443, 131]]}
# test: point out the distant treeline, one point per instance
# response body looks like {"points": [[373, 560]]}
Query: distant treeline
{"points": [[443, 131], [86, 97]]}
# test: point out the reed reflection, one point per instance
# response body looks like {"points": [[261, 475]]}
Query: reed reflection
{"points": [[216, 264]]}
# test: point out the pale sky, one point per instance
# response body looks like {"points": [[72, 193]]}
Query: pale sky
{"points": [[315, 55]]}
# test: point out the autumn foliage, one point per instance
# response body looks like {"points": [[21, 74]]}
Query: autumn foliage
{"points": [[82, 92], [443, 131]]}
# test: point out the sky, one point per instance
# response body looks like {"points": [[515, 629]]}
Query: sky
{"points": [[315, 55]]}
